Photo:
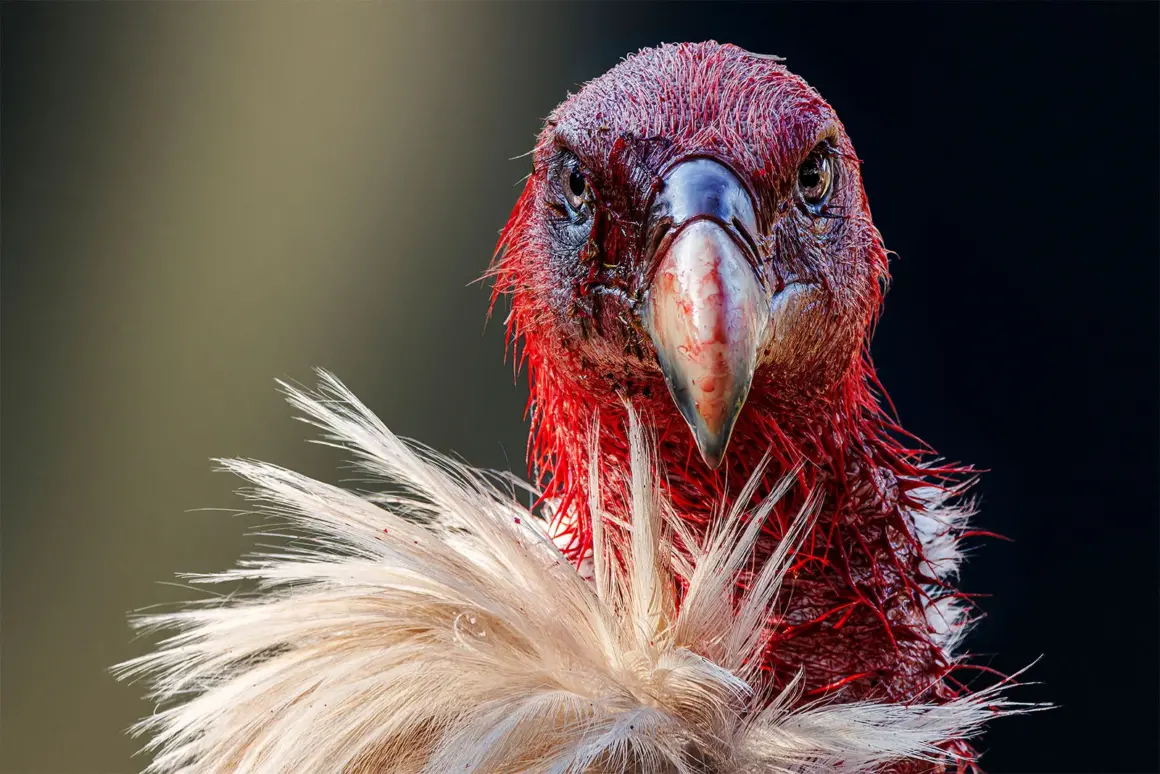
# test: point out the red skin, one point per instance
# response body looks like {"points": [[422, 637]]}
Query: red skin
{"points": [[855, 615]]}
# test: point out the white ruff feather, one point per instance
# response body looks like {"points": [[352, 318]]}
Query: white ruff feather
{"points": [[438, 629]]}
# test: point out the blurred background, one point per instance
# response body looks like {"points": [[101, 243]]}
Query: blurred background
{"points": [[201, 197]]}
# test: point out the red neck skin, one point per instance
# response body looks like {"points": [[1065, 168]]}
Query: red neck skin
{"points": [[856, 621]]}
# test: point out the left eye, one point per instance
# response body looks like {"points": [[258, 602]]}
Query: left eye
{"points": [[577, 192], [816, 178]]}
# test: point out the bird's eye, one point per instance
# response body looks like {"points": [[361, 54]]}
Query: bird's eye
{"points": [[577, 191], [816, 178]]}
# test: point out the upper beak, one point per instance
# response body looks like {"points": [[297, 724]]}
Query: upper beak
{"points": [[707, 312]]}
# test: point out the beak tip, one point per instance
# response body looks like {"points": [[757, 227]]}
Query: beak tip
{"points": [[713, 443], [713, 459]]}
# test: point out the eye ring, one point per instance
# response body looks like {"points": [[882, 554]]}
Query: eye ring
{"points": [[575, 188], [815, 178]]}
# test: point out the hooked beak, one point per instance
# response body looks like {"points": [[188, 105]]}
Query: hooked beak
{"points": [[708, 314]]}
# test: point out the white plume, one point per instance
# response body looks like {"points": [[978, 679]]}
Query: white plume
{"points": [[438, 629]]}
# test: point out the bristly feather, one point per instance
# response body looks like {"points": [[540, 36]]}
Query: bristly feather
{"points": [[437, 629]]}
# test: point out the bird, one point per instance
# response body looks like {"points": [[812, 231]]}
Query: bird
{"points": [[734, 558]]}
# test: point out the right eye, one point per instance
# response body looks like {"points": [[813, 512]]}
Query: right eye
{"points": [[816, 178]]}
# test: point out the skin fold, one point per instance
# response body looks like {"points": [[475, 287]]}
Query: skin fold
{"points": [[695, 243]]}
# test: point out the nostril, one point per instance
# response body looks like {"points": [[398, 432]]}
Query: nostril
{"points": [[746, 237], [660, 231]]}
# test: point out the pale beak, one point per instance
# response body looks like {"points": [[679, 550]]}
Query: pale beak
{"points": [[707, 313]]}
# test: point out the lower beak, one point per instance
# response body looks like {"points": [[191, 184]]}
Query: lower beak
{"points": [[708, 317]]}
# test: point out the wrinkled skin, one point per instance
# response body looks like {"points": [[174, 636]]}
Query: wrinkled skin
{"points": [[584, 259], [625, 129]]}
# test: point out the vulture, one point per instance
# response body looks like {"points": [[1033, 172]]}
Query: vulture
{"points": [[729, 557]]}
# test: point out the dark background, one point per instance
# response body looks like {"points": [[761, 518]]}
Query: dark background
{"points": [[198, 198]]}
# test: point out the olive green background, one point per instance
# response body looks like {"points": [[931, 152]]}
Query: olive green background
{"points": [[199, 198]]}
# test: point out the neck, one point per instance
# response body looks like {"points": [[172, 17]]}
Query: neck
{"points": [[862, 588]]}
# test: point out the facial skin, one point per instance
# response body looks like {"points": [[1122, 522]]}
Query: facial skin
{"points": [[695, 225]]}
